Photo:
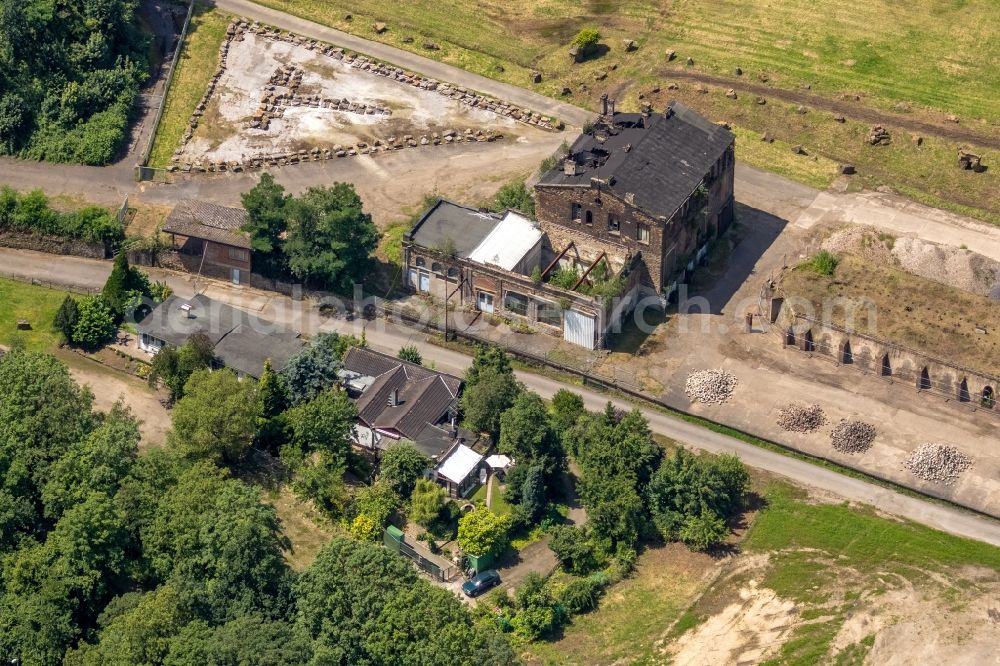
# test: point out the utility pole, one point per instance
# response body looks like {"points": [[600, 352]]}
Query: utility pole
{"points": [[447, 298]]}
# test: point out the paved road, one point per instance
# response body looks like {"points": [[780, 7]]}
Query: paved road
{"points": [[389, 337], [568, 113]]}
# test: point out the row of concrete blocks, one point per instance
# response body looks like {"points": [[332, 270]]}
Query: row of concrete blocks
{"points": [[389, 71], [317, 154]]}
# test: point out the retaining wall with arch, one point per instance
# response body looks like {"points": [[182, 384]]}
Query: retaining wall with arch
{"points": [[904, 366]]}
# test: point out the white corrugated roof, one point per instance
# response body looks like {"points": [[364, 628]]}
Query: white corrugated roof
{"points": [[459, 464], [509, 241]]}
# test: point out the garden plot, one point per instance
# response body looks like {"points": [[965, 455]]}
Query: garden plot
{"points": [[277, 97]]}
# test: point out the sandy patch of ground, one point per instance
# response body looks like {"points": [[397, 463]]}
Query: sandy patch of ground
{"points": [[109, 386], [951, 619], [744, 632], [225, 134]]}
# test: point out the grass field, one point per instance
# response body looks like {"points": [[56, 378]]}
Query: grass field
{"points": [[198, 61], [920, 61], [38, 305], [938, 54]]}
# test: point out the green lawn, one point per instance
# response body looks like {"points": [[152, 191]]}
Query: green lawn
{"points": [[38, 305], [938, 53], [199, 59], [867, 541], [935, 57]]}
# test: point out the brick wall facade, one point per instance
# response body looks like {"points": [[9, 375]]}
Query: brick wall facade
{"points": [[598, 219]]}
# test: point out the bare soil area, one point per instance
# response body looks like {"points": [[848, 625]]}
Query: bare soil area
{"points": [[885, 620], [109, 386], [392, 108]]}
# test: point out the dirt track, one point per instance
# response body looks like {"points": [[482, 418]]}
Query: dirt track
{"points": [[849, 109]]}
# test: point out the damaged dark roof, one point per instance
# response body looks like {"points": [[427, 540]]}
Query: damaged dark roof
{"points": [[445, 220], [658, 159], [201, 219], [423, 396]]}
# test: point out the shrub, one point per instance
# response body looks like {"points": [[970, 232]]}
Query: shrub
{"points": [[823, 262], [703, 531], [410, 353], [587, 38], [564, 278], [582, 594], [66, 318], [95, 323], [481, 531], [574, 550], [426, 501], [515, 196]]}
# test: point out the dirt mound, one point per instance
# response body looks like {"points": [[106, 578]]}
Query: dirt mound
{"points": [[952, 266]]}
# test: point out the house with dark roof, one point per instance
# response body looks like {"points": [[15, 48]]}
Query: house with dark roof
{"points": [[654, 185], [209, 239], [240, 341], [401, 401]]}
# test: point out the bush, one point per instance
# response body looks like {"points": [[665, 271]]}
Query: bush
{"points": [[564, 278], [95, 323], [66, 318], [587, 39], [31, 213], [481, 531], [574, 549], [703, 531], [823, 262], [426, 502], [411, 354], [515, 196], [582, 594]]}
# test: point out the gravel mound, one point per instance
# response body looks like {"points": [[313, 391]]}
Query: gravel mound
{"points": [[852, 436], [939, 463], [712, 387], [953, 266], [801, 418]]}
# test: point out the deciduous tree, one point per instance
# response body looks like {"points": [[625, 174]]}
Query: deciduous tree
{"points": [[217, 417]]}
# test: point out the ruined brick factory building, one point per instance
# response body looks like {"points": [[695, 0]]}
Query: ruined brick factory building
{"points": [[655, 185]]}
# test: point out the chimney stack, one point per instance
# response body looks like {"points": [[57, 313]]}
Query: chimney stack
{"points": [[569, 167], [604, 104], [394, 397], [612, 102]]}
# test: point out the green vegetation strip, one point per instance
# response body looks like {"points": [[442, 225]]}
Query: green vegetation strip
{"points": [[198, 62]]}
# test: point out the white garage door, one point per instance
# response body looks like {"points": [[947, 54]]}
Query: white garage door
{"points": [[578, 328]]}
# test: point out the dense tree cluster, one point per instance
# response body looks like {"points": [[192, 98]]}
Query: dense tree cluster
{"points": [[322, 237], [32, 213], [69, 73], [109, 557]]}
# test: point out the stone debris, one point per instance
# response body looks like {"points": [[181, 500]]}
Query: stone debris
{"points": [[879, 136], [801, 418], [852, 436], [938, 463], [711, 387], [274, 101]]}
